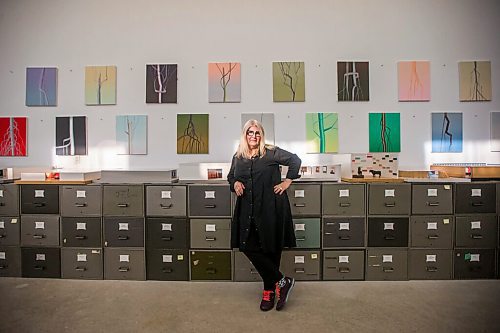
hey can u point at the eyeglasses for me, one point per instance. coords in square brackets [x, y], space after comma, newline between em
[253, 133]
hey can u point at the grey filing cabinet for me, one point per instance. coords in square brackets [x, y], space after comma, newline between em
[244, 270]
[40, 230]
[166, 200]
[304, 265]
[476, 231]
[122, 263]
[475, 198]
[9, 200]
[343, 199]
[307, 232]
[40, 199]
[432, 199]
[388, 231]
[82, 263]
[430, 264]
[386, 264]
[167, 233]
[10, 261]
[10, 230]
[41, 262]
[432, 231]
[343, 265]
[343, 232]
[389, 199]
[167, 264]
[474, 264]
[305, 199]
[209, 200]
[210, 233]
[210, 265]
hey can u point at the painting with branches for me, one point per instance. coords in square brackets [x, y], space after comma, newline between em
[192, 134]
[13, 138]
[446, 132]
[475, 81]
[414, 81]
[100, 85]
[131, 135]
[41, 86]
[71, 135]
[384, 132]
[288, 82]
[161, 83]
[322, 133]
[353, 81]
[224, 82]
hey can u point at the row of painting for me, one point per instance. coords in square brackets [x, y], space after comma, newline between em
[224, 82]
[193, 133]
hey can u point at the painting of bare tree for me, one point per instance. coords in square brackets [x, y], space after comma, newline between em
[161, 83]
[13, 139]
[475, 81]
[224, 82]
[131, 135]
[71, 135]
[288, 82]
[353, 81]
[100, 85]
[192, 134]
[41, 86]
[322, 133]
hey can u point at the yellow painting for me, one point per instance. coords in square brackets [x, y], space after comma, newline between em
[100, 85]
[288, 82]
[475, 81]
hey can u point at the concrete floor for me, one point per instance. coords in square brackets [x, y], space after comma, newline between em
[52, 305]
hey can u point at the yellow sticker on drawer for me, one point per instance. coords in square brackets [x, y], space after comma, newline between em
[122, 226]
[81, 194]
[344, 225]
[209, 194]
[210, 228]
[299, 259]
[13, 221]
[343, 259]
[300, 227]
[432, 225]
[432, 192]
[166, 194]
[430, 258]
[314, 256]
[166, 226]
[81, 257]
[180, 257]
[475, 225]
[167, 258]
[81, 226]
[447, 187]
[388, 226]
[39, 225]
[39, 193]
[124, 258]
[446, 221]
[343, 193]
[387, 258]
[40, 257]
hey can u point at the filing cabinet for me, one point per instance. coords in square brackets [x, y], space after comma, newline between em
[389, 199]
[209, 200]
[167, 264]
[41, 262]
[210, 233]
[432, 231]
[387, 264]
[244, 270]
[82, 200]
[430, 264]
[166, 200]
[430, 199]
[474, 264]
[343, 232]
[81, 232]
[388, 231]
[305, 199]
[40, 230]
[167, 233]
[476, 231]
[10, 230]
[9, 200]
[123, 200]
[307, 232]
[123, 231]
[343, 199]
[10, 261]
[475, 197]
[39, 199]
[210, 265]
[82, 263]
[124, 264]
[344, 265]
[301, 264]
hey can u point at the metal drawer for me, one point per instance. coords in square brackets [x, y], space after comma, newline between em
[39, 199]
[476, 231]
[430, 264]
[81, 200]
[432, 231]
[305, 199]
[474, 264]
[244, 270]
[209, 200]
[10, 261]
[167, 233]
[166, 200]
[210, 265]
[301, 264]
[81, 231]
[123, 231]
[124, 264]
[389, 199]
[123, 200]
[388, 231]
[167, 264]
[210, 233]
[10, 230]
[40, 230]
[475, 198]
[344, 265]
[307, 232]
[343, 232]
[343, 199]
[9, 200]
[387, 264]
[432, 199]
[82, 263]
[41, 262]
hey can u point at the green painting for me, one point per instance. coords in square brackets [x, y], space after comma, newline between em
[385, 132]
[192, 134]
[322, 133]
[288, 82]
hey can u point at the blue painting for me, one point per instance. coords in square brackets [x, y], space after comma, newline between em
[41, 86]
[131, 135]
[447, 132]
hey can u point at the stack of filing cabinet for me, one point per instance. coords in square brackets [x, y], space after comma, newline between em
[210, 231]
[431, 232]
[123, 225]
[388, 224]
[304, 262]
[344, 226]
[81, 232]
[10, 252]
[40, 230]
[476, 234]
[167, 233]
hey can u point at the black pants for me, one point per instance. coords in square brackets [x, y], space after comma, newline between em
[267, 264]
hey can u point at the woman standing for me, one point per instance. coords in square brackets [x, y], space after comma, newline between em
[262, 221]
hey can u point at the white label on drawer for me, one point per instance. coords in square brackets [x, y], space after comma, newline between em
[432, 225]
[96, 251]
[180, 257]
[476, 192]
[474, 257]
[446, 221]
[447, 187]
[299, 259]
[299, 193]
[124, 258]
[39, 193]
[166, 226]
[209, 194]
[40, 257]
[81, 257]
[210, 227]
[122, 226]
[1, 193]
[432, 192]
[387, 258]
[166, 194]
[167, 258]
[343, 259]
[430, 258]
[81, 226]
[300, 227]
[81, 194]
[344, 226]
[475, 225]
[13, 221]
[39, 225]
[2, 225]
[343, 193]
[388, 226]
[2, 255]
[389, 193]
[314, 256]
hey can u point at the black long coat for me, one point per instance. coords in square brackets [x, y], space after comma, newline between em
[271, 212]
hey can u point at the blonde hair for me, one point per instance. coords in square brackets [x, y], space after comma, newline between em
[243, 149]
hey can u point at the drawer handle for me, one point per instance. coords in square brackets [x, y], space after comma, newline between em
[300, 238]
[388, 269]
[390, 204]
[81, 269]
[389, 237]
[39, 268]
[166, 206]
[330, 223]
[166, 238]
[80, 204]
[211, 271]
[328, 233]
[473, 236]
[475, 268]
[300, 270]
[433, 236]
[299, 205]
[210, 206]
[123, 237]
[39, 204]
[123, 269]
[344, 269]
[4, 266]
[210, 239]
[81, 237]
[345, 204]
[431, 269]
[122, 205]
[346, 237]
[433, 204]
[167, 270]
[38, 236]
[477, 204]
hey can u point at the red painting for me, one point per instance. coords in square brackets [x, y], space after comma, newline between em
[13, 140]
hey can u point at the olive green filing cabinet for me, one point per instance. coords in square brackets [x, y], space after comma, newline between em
[389, 231]
[210, 265]
[210, 233]
[343, 199]
[432, 231]
[41, 262]
[167, 264]
[474, 264]
[166, 200]
[123, 231]
[305, 199]
[476, 231]
[9, 200]
[389, 199]
[475, 197]
[244, 270]
[10, 261]
[167, 233]
[123, 200]
[302, 265]
[430, 264]
[40, 230]
[209, 200]
[307, 232]
[81, 200]
[10, 231]
[82, 263]
[389, 264]
[81, 232]
[124, 264]
[343, 232]
[430, 199]
[343, 265]
[39, 199]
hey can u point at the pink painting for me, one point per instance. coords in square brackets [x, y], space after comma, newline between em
[414, 81]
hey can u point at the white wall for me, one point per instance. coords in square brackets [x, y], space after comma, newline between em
[128, 33]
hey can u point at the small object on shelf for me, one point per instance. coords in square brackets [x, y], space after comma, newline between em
[359, 175]
[376, 173]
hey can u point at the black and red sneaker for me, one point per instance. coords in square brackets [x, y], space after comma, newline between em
[267, 302]
[283, 289]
